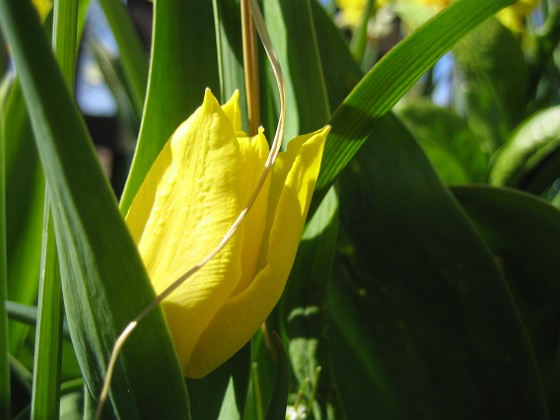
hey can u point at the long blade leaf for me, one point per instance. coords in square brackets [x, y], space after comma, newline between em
[423, 323]
[104, 282]
[4, 361]
[392, 77]
[45, 394]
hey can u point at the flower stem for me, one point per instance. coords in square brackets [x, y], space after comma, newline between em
[251, 67]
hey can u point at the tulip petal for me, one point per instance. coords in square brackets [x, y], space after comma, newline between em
[187, 203]
[233, 112]
[255, 151]
[140, 209]
[293, 181]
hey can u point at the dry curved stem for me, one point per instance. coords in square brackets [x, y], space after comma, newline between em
[274, 149]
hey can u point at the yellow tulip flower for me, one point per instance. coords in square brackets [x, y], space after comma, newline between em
[196, 188]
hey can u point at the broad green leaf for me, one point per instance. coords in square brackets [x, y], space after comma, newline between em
[47, 360]
[530, 158]
[453, 149]
[227, 21]
[493, 82]
[276, 409]
[303, 304]
[183, 63]
[48, 345]
[25, 196]
[102, 273]
[222, 393]
[25, 190]
[524, 234]
[340, 70]
[291, 28]
[392, 77]
[423, 325]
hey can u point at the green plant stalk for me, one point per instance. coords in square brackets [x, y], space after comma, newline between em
[64, 38]
[257, 390]
[45, 400]
[360, 37]
[4, 359]
[251, 67]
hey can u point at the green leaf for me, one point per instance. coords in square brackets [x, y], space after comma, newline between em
[227, 21]
[524, 234]
[45, 396]
[4, 335]
[101, 270]
[290, 24]
[71, 405]
[131, 50]
[25, 188]
[48, 347]
[447, 140]
[360, 36]
[3, 56]
[423, 325]
[183, 63]
[493, 79]
[529, 159]
[303, 304]
[391, 78]
[222, 393]
[113, 75]
[340, 70]
[65, 38]
[276, 409]
[262, 374]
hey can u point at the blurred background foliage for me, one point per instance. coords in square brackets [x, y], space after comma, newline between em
[426, 282]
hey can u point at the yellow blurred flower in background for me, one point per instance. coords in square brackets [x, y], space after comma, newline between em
[43, 7]
[512, 17]
[351, 11]
[196, 188]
